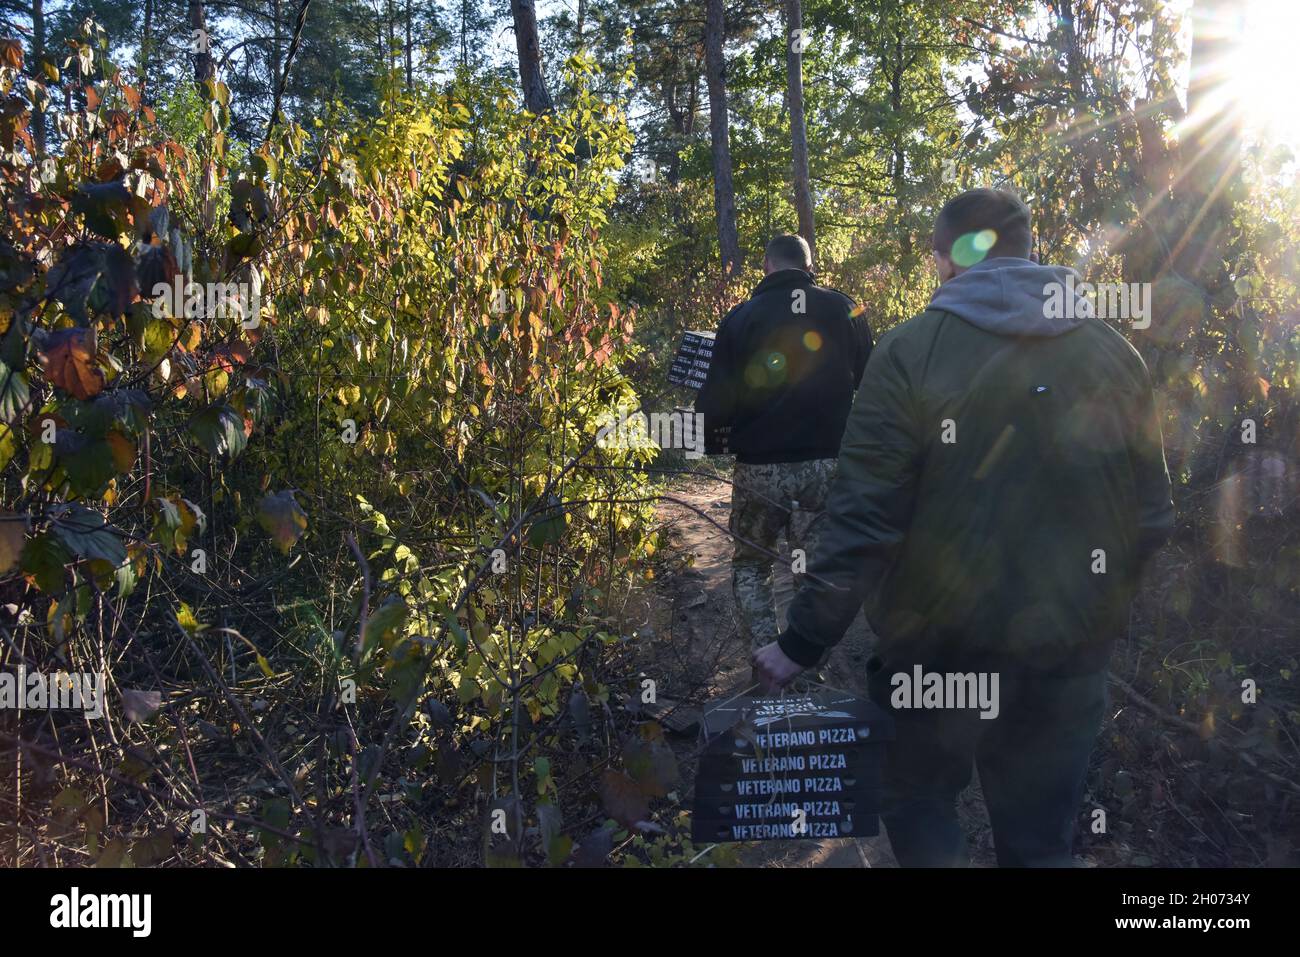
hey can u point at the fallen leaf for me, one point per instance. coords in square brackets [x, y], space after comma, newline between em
[595, 847]
[623, 798]
[140, 705]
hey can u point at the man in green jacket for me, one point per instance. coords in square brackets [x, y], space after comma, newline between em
[1000, 484]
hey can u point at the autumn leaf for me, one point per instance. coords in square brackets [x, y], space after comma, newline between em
[68, 360]
[123, 450]
[156, 267]
[13, 530]
[105, 207]
[623, 798]
[186, 619]
[650, 761]
[94, 276]
[8, 444]
[11, 54]
[283, 519]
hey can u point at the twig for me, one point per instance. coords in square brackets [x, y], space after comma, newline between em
[1151, 707]
[365, 598]
[358, 804]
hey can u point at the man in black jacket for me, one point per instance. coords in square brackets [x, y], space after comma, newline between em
[785, 365]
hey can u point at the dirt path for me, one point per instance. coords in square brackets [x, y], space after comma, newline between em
[701, 637]
[699, 658]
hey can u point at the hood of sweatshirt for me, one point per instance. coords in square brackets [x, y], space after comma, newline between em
[1015, 297]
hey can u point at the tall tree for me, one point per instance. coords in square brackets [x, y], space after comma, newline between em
[406, 45]
[471, 32]
[724, 190]
[536, 98]
[38, 54]
[204, 68]
[795, 44]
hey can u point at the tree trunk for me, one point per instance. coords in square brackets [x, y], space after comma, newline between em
[204, 68]
[1073, 54]
[38, 55]
[794, 46]
[898, 173]
[724, 191]
[277, 53]
[408, 44]
[391, 17]
[530, 56]
[464, 30]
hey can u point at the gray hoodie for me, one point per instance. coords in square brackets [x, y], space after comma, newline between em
[1008, 296]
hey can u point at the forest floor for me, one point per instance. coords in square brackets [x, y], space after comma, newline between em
[1174, 797]
[699, 659]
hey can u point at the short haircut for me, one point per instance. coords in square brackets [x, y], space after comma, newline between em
[983, 224]
[789, 251]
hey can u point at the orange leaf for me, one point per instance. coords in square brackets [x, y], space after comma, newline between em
[624, 801]
[11, 54]
[123, 450]
[69, 362]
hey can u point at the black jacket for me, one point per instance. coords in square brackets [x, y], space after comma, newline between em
[785, 365]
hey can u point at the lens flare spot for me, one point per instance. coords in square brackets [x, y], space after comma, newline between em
[971, 248]
[812, 341]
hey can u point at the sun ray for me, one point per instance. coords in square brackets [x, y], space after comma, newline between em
[1260, 77]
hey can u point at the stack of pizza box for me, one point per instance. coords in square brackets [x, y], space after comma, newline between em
[790, 768]
[691, 363]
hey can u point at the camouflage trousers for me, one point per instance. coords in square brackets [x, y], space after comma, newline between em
[767, 500]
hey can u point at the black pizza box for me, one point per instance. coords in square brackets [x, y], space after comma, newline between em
[690, 363]
[698, 337]
[764, 757]
[822, 719]
[738, 756]
[710, 803]
[718, 775]
[692, 378]
[722, 831]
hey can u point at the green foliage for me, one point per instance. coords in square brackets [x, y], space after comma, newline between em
[393, 421]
